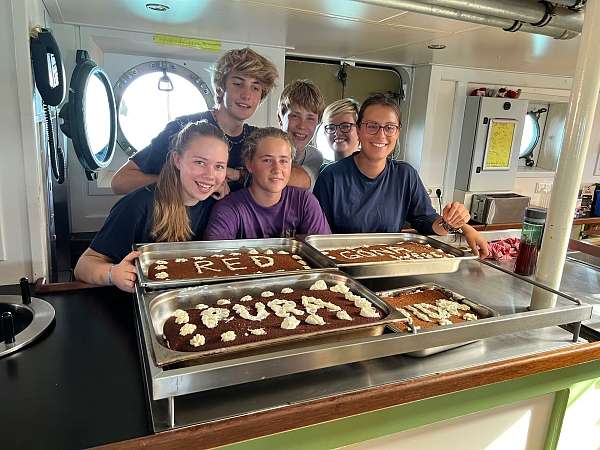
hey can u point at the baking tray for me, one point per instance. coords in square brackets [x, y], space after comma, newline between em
[169, 250]
[158, 306]
[381, 269]
[482, 311]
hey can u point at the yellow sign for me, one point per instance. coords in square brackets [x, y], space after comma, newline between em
[499, 144]
[179, 41]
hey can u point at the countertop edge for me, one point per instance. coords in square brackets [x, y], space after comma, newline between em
[260, 424]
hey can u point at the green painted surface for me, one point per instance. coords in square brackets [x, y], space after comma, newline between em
[561, 401]
[394, 419]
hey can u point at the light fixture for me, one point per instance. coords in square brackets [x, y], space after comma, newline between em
[164, 82]
[436, 46]
[157, 7]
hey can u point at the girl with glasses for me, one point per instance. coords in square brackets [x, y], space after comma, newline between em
[370, 193]
[339, 124]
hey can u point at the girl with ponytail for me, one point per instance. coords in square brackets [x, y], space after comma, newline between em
[175, 209]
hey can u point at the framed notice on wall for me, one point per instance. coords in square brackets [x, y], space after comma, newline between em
[498, 147]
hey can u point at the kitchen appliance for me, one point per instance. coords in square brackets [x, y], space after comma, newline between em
[498, 208]
[489, 146]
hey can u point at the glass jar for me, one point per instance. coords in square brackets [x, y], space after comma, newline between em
[531, 240]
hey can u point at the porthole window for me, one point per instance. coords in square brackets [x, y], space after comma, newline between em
[531, 135]
[152, 94]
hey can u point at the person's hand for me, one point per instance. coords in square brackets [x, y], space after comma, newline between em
[221, 191]
[456, 215]
[478, 244]
[123, 274]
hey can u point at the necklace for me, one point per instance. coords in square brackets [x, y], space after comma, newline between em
[230, 140]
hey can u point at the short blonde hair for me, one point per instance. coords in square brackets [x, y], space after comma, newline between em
[341, 106]
[251, 143]
[302, 93]
[246, 62]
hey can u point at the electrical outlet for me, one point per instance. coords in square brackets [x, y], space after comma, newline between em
[431, 190]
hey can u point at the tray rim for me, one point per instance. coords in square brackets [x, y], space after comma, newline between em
[314, 255]
[460, 255]
[161, 352]
[395, 291]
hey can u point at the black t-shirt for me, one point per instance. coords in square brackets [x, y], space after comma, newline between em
[152, 158]
[130, 221]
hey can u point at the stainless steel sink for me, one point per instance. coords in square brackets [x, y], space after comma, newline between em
[22, 319]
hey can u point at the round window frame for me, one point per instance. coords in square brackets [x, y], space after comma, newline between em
[73, 115]
[534, 143]
[145, 68]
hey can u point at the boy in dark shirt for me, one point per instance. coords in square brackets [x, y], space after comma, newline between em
[242, 79]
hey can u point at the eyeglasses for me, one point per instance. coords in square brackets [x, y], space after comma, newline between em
[344, 127]
[388, 129]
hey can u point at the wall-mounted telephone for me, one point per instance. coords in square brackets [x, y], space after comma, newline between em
[49, 74]
[47, 67]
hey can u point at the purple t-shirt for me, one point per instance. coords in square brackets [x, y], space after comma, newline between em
[238, 216]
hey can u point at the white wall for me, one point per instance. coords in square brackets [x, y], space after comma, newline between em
[23, 242]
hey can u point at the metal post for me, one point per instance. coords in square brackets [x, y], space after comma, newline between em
[171, 412]
[584, 98]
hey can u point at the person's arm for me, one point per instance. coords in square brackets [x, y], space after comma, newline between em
[478, 244]
[98, 269]
[299, 178]
[312, 166]
[130, 177]
[456, 216]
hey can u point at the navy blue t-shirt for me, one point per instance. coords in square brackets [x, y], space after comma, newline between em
[130, 222]
[152, 158]
[355, 203]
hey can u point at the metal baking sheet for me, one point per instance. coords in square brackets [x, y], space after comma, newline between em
[482, 311]
[170, 250]
[382, 269]
[158, 306]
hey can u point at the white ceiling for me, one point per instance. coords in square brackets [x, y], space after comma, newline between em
[330, 28]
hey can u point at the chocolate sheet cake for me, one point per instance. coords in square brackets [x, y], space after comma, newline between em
[226, 264]
[402, 251]
[430, 307]
[214, 324]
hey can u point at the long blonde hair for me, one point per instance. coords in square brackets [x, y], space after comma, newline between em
[170, 219]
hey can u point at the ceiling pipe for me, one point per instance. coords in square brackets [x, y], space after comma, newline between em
[528, 11]
[507, 24]
[575, 5]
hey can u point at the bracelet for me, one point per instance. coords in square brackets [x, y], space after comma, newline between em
[110, 282]
[449, 228]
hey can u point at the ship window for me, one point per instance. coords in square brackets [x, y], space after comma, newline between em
[145, 103]
[531, 135]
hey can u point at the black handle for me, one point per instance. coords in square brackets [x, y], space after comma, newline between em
[8, 327]
[25, 292]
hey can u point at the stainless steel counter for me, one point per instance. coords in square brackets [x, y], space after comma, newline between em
[581, 275]
[481, 283]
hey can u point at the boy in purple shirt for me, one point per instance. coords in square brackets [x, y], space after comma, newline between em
[268, 208]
